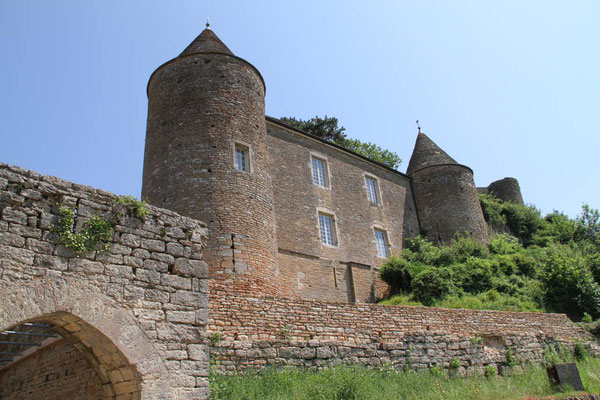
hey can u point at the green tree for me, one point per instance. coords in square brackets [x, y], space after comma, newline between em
[328, 128]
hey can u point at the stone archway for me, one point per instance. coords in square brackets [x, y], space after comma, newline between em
[106, 334]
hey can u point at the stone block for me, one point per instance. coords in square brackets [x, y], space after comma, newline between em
[193, 268]
[562, 375]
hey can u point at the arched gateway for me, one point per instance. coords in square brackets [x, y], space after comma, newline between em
[124, 362]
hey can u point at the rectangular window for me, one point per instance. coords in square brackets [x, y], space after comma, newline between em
[327, 229]
[382, 243]
[242, 158]
[319, 169]
[372, 190]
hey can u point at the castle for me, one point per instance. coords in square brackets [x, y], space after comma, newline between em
[260, 248]
[289, 213]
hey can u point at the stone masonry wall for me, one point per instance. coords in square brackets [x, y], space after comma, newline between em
[258, 332]
[137, 312]
[347, 271]
[57, 371]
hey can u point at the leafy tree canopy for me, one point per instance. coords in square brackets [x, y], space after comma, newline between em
[328, 128]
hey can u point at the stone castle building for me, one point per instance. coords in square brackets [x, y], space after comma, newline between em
[260, 248]
[288, 213]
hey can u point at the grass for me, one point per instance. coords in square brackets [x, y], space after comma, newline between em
[491, 300]
[358, 383]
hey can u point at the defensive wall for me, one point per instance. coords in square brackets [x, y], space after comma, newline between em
[131, 320]
[259, 332]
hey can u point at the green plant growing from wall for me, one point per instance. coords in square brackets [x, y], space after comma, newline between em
[95, 234]
[490, 371]
[134, 207]
[215, 338]
[510, 357]
[454, 364]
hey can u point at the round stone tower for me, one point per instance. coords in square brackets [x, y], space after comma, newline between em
[506, 189]
[206, 157]
[445, 194]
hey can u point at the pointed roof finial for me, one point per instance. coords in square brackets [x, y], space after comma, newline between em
[207, 22]
[418, 126]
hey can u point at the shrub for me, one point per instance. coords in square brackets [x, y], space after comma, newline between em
[492, 210]
[474, 276]
[579, 351]
[490, 371]
[431, 284]
[510, 357]
[454, 364]
[569, 284]
[396, 272]
[587, 318]
[523, 221]
[465, 247]
[504, 244]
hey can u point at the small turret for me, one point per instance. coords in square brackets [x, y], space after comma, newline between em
[445, 194]
[506, 189]
[206, 157]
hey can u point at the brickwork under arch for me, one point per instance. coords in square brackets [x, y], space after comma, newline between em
[108, 336]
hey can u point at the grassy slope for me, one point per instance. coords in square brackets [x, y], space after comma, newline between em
[358, 384]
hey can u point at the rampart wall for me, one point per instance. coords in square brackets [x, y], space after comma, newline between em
[136, 313]
[258, 332]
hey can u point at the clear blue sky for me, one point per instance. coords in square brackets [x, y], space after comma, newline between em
[509, 88]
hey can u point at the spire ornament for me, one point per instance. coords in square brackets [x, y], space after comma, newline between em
[418, 126]
[207, 22]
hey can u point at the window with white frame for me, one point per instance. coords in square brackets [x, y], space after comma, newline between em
[242, 157]
[319, 170]
[327, 229]
[372, 192]
[382, 243]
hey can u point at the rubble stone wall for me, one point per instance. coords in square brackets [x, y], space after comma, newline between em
[258, 332]
[137, 312]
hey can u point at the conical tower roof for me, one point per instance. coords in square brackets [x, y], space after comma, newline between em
[426, 154]
[206, 41]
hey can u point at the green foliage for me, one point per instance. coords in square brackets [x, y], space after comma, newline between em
[353, 382]
[432, 284]
[569, 283]
[327, 128]
[134, 207]
[580, 353]
[372, 151]
[523, 221]
[436, 371]
[504, 244]
[397, 272]
[454, 364]
[490, 371]
[95, 234]
[551, 268]
[476, 340]
[215, 338]
[492, 210]
[510, 357]
[587, 318]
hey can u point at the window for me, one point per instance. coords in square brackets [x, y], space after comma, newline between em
[319, 170]
[326, 227]
[372, 194]
[381, 243]
[242, 158]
